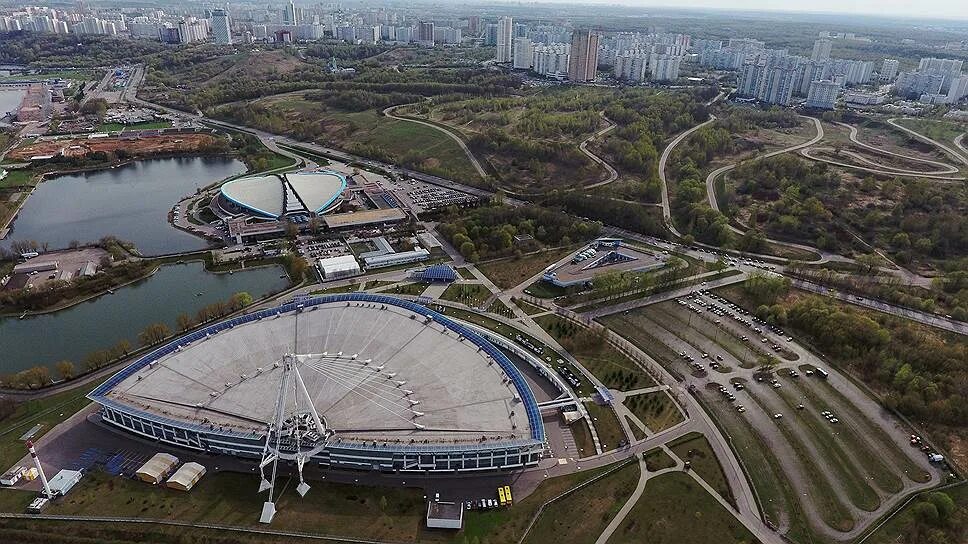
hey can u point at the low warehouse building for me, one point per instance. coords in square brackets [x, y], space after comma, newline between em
[343, 266]
[186, 476]
[157, 468]
[64, 480]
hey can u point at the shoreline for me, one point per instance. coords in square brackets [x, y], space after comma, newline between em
[157, 266]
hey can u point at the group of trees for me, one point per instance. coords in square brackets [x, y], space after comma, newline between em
[55, 292]
[46, 49]
[488, 232]
[934, 518]
[918, 371]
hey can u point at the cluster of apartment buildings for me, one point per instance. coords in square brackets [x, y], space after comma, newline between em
[576, 54]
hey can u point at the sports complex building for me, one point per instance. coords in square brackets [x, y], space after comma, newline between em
[392, 386]
[274, 196]
[602, 255]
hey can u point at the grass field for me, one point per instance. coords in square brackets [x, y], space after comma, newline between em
[231, 499]
[508, 524]
[582, 516]
[613, 368]
[47, 411]
[657, 410]
[369, 133]
[658, 459]
[637, 433]
[528, 308]
[465, 273]
[146, 125]
[414, 289]
[19, 178]
[471, 294]
[607, 425]
[942, 131]
[695, 449]
[543, 289]
[672, 503]
[640, 334]
[507, 273]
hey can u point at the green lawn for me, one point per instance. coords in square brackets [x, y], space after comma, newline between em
[694, 448]
[48, 412]
[543, 289]
[509, 272]
[658, 459]
[145, 125]
[465, 273]
[607, 425]
[581, 516]
[19, 178]
[657, 410]
[413, 289]
[529, 308]
[230, 498]
[673, 506]
[471, 294]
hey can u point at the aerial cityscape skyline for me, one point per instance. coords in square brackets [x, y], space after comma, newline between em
[421, 272]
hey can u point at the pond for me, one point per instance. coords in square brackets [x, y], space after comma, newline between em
[130, 202]
[75, 332]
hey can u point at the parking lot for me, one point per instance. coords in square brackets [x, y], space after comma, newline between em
[804, 431]
[420, 197]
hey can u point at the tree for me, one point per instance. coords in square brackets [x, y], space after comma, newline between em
[944, 503]
[154, 333]
[240, 300]
[184, 321]
[65, 369]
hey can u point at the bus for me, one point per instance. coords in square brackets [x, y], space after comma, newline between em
[822, 373]
[500, 495]
[507, 493]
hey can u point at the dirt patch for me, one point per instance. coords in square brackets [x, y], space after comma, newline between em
[148, 145]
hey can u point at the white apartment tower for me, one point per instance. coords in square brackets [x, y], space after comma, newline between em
[523, 53]
[888, 70]
[505, 39]
[821, 50]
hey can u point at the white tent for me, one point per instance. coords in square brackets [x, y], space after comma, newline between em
[186, 476]
[157, 468]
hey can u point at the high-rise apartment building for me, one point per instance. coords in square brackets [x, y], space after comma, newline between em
[821, 50]
[523, 53]
[583, 64]
[664, 67]
[505, 39]
[289, 16]
[221, 26]
[425, 33]
[823, 94]
[888, 70]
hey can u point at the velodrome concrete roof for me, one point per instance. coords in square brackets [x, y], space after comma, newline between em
[258, 193]
[312, 191]
[461, 395]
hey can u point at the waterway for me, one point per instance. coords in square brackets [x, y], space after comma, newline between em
[130, 202]
[102, 322]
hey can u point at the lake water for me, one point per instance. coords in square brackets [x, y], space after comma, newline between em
[102, 322]
[10, 100]
[130, 202]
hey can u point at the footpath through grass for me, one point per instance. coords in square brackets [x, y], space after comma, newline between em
[695, 449]
[580, 517]
[674, 505]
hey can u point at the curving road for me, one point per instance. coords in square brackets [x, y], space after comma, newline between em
[711, 178]
[808, 153]
[666, 209]
[945, 168]
[958, 144]
[958, 156]
[583, 147]
[470, 156]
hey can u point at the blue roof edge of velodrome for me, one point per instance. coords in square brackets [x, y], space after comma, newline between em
[319, 210]
[520, 384]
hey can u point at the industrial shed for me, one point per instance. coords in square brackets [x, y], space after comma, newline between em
[185, 478]
[157, 468]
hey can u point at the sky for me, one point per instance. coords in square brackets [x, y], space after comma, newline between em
[936, 8]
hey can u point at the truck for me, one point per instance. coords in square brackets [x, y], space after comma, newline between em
[821, 373]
